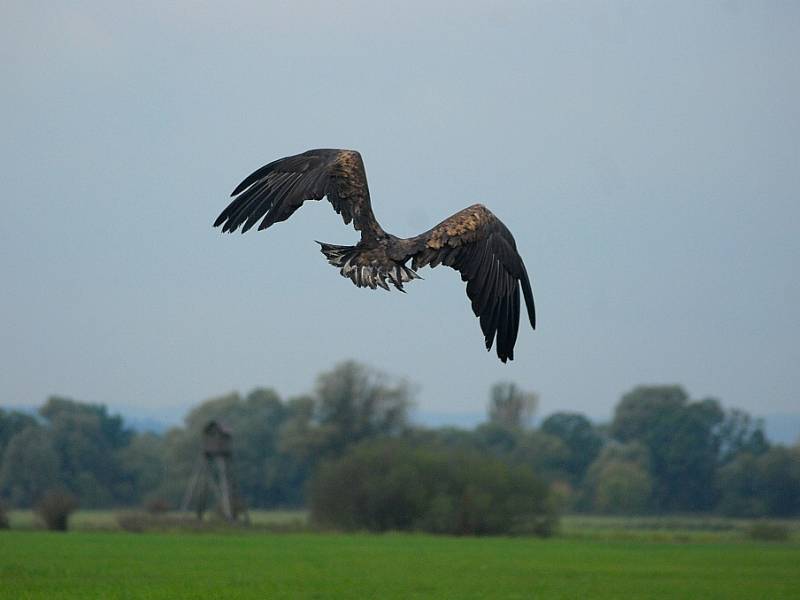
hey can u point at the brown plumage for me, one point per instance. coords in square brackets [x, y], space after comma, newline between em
[473, 241]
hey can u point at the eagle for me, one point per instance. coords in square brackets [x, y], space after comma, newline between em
[473, 241]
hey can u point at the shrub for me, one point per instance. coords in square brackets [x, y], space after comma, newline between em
[133, 522]
[4, 524]
[392, 485]
[55, 507]
[156, 506]
[768, 532]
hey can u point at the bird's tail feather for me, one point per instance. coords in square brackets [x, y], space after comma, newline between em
[368, 267]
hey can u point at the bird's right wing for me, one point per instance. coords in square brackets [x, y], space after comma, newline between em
[478, 245]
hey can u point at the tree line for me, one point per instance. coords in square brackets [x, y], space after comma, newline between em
[349, 447]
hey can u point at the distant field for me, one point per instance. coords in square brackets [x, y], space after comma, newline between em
[657, 529]
[668, 528]
[91, 520]
[184, 565]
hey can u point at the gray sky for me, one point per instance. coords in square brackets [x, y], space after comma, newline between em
[646, 157]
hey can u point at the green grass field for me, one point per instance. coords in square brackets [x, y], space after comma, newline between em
[107, 564]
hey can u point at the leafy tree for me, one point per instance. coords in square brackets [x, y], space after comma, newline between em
[142, 461]
[680, 437]
[739, 433]
[87, 441]
[546, 454]
[643, 407]
[30, 466]
[351, 403]
[511, 407]
[619, 481]
[354, 403]
[622, 488]
[110, 427]
[579, 436]
[739, 483]
[780, 477]
[766, 485]
[497, 438]
[11, 423]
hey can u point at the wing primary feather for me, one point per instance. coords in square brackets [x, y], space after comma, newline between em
[281, 195]
[503, 328]
[253, 177]
[261, 204]
[490, 286]
[250, 198]
[514, 321]
[261, 208]
[528, 294]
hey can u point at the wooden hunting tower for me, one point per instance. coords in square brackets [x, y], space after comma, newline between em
[216, 440]
[214, 470]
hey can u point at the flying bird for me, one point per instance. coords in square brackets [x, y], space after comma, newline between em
[473, 241]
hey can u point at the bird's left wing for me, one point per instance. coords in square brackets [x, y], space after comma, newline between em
[478, 245]
[276, 190]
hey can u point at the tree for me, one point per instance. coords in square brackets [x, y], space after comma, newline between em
[546, 454]
[496, 438]
[11, 423]
[622, 488]
[640, 408]
[111, 427]
[764, 485]
[351, 403]
[142, 461]
[739, 433]
[619, 481]
[511, 407]
[88, 441]
[581, 439]
[681, 439]
[30, 465]
[354, 402]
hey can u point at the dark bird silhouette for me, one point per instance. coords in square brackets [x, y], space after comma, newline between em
[473, 241]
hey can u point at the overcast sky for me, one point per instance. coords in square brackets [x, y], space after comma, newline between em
[646, 157]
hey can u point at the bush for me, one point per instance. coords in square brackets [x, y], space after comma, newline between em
[768, 532]
[133, 522]
[4, 524]
[55, 507]
[391, 485]
[156, 506]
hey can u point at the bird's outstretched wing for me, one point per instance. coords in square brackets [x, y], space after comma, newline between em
[275, 191]
[478, 245]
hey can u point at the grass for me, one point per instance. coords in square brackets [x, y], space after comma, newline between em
[106, 520]
[704, 529]
[692, 529]
[180, 565]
